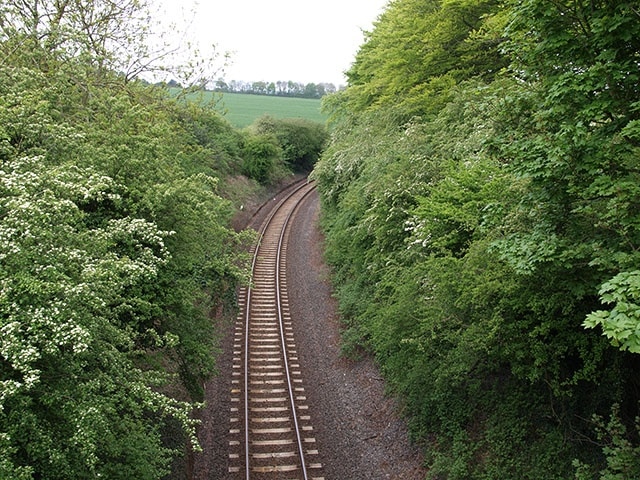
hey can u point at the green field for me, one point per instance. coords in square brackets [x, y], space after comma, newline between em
[242, 109]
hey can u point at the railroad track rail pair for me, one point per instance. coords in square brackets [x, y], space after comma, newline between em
[271, 435]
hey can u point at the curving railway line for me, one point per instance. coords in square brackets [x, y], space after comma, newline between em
[271, 435]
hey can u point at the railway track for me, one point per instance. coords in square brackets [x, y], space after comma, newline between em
[271, 435]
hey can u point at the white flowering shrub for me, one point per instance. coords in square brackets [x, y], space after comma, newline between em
[63, 351]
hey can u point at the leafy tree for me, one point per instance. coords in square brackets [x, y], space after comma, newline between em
[302, 141]
[279, 88]
[419, 49]
[111, 35]
[259, 87]
[620, 324]
[311, 91]
[574, 139]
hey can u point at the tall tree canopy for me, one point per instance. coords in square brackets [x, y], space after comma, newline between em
[418, 50]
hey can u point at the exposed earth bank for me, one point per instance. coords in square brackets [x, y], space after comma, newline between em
[359, 434]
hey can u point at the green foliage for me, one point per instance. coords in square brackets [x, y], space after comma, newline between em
[301, 141]
[261, 154]
[215, 146]
[419, 50]
[115, 250]
[621, 324]
[72, 389]
[567, 135]
[622, 456]
[479, 198]
[124, 36]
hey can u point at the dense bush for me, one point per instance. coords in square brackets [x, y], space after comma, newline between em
[262, 154]
[302, 141]
[478, 197]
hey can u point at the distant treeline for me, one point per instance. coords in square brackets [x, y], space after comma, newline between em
[281, 88]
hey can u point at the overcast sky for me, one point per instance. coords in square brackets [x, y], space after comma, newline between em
[299, 40]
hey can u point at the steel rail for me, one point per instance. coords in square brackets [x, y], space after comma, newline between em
[282, 336]
[247, 319]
